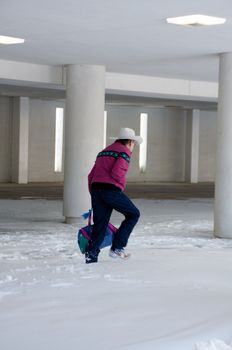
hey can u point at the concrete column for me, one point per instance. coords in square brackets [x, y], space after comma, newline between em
[20, 126]
[192, 146]
[223, 179]
[84, 127]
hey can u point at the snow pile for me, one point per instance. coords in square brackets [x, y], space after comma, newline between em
[214, 344]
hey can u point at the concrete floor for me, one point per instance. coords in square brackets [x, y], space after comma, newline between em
[134, 190]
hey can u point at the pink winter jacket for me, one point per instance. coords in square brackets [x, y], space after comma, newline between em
[111, 166]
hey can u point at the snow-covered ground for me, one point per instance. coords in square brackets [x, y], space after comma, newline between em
[175, 293]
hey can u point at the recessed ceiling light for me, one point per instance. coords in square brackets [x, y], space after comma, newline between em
[196, 20]
[7, 40]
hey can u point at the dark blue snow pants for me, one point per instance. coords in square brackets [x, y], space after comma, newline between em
[103, 203]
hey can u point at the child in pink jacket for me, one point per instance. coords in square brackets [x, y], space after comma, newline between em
[107, 181]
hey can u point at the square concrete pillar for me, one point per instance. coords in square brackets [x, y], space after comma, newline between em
[20, 134]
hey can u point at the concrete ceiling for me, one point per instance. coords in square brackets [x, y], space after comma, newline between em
[127, 36]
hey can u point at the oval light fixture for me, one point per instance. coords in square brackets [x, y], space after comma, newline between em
[196, 20]
[8, 40]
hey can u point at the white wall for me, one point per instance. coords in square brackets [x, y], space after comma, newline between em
[166, 145]
[5, 138]
[42, 141]
[166, 141]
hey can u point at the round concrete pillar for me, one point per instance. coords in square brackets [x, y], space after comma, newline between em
[223, 180]
[84, 120]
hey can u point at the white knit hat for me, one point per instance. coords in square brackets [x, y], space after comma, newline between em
[128, 134]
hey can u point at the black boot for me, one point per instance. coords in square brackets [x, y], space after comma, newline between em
[91, 256]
